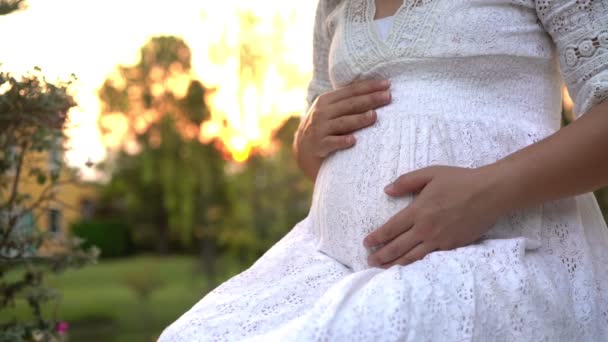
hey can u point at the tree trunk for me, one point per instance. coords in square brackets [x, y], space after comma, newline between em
[163, 239]
[208, 256]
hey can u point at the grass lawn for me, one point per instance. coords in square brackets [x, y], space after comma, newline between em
[129, 299]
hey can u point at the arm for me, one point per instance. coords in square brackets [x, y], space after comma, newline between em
[572, 161]
[308, 164]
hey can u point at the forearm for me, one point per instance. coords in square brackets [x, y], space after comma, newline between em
[572, 161]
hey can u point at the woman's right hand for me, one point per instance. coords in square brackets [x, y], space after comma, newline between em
[333, 117]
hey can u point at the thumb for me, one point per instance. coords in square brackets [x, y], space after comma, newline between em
[410, 182]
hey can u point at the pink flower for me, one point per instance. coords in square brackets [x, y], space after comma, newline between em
[62, 327]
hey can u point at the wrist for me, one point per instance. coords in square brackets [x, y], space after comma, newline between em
[501, 187]
[307, 163]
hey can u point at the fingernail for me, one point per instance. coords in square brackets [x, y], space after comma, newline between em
[387, 95]
[389, 188]
[386, 83]
[372, 114]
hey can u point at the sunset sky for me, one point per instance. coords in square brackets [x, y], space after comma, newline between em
[89, 38]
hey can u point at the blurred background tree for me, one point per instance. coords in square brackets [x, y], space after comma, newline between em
[168, 185]
[179, 194]
[268, 196]
[8, 6]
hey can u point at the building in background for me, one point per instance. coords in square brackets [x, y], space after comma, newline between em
[50, 207]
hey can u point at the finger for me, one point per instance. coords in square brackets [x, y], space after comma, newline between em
[417, 253]
[332, 143]
[357, 88]
[410, 182]
[350, 123]
[396, 225]
[359, 104]
[395, 248]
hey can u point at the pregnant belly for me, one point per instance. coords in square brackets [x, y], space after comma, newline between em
[349, 200]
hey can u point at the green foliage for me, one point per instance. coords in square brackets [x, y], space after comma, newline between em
[111, 236]
[602, 198]
[9, 6]
[267, 197]
[143, 283]
[33, 113]
[168, 185]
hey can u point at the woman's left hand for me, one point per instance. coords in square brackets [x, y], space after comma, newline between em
[454, 207]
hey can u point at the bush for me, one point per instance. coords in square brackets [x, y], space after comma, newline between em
[34, 114]
[112, 237]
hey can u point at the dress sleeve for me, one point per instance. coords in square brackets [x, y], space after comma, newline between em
[320, 82]
[579, 29]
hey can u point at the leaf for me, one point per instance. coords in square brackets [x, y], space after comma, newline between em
[41, 179]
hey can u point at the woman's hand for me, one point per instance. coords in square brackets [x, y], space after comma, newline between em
[333, 117]
[454, 206]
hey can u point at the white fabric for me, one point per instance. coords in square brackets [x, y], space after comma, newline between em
[472, 81]
[383, 26]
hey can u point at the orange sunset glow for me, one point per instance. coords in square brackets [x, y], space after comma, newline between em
[249, 98]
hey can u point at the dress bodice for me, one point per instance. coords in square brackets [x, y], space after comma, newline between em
[571, 33]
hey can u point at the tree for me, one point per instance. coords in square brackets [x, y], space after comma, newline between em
[8, 6]
[33, 113]
[268, 195]
[168, 180]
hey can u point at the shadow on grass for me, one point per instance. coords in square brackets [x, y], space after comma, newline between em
[93, 329]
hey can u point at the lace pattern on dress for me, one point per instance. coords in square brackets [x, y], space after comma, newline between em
[579, 28]
[412, 27]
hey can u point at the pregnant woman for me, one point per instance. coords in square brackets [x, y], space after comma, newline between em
[448, 203]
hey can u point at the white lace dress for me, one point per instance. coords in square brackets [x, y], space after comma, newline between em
[472, 81]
